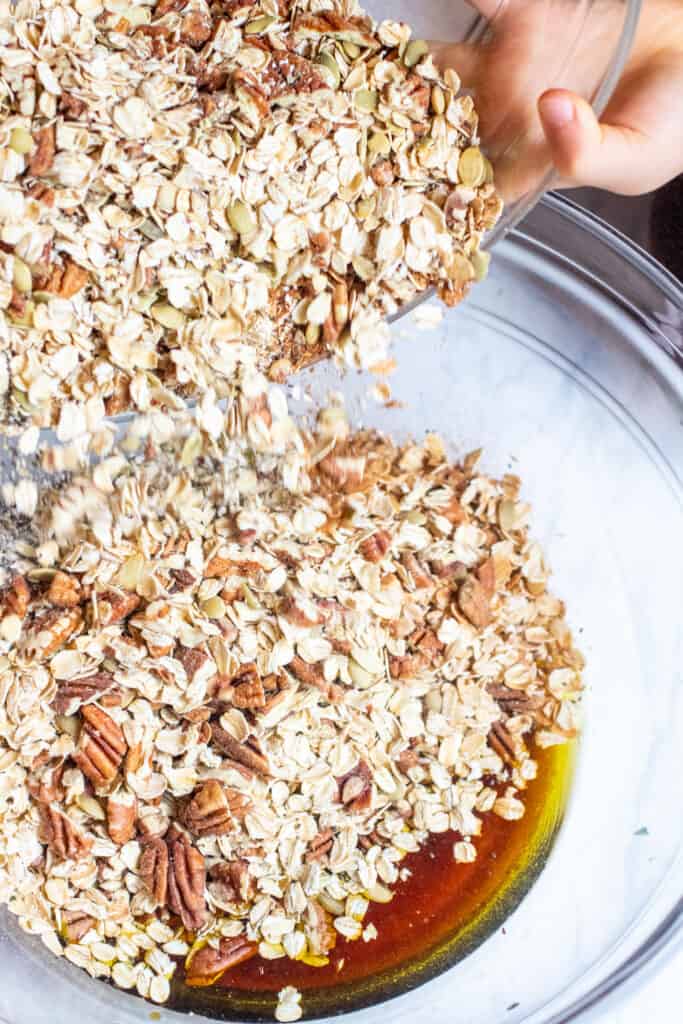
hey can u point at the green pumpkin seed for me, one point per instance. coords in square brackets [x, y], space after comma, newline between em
[259, 25]
[414, 52]
[214, 607]
[438, 100]
[241, 218]
[366, 99]
[379, 142]
[480, 263]
[488, 178]
[351, 50]
[472, 167]
[168, 316]
[21, 276]
[21, 140]
[330, 70]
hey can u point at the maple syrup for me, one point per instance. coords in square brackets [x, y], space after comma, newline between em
[439, 914]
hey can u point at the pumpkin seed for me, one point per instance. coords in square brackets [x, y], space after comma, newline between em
[214, 607]
[191, 449]
[480, 262]
[488, 177]
[21, 140]
[438, 100]
[366, 99]
[351, 50]
[21, 276]
[259, 25]
[241, 218]
[414, 52]
[379, 142]
[330, 70]
[168, 316]
[471, 167]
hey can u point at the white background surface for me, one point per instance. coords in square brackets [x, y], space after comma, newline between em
[656, 1001]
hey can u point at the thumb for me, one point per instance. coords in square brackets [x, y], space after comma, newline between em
[585, 152]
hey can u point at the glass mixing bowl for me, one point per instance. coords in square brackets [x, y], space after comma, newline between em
[508, 52]
[566, 365]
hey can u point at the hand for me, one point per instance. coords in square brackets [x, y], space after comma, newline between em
[638, 144]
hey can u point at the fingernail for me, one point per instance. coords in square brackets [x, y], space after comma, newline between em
[557, 110]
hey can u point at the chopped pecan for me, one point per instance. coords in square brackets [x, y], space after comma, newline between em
[191, 658]
[374, 548]
[314, 676]
[355, 788]
[115, 605]
[122, 812]
[64, 838]
[196, 29]
[406, 760]
[218, 567]
[382, 173]
[248, 692]
[46, 787]
[209, 963]
[320, 845]
[186, 880]
[515, 702]
[232, 882]
[275, 691]
[16, 598]
[473, 602]
[406, 666]
[248, 754]
[346, 473]
[101, 746]
[75, 924]
[50, 630]
[301, 613]
[206, 813]
[64, 590]
[74, 692]
[428, 643]
[73, 280]
[153, 868]
[419, 575]
[319, 929]
[197, 716]
[182, 579]
[500, 741]
[43, 155]
[486, 573]
[211, 79]
[456, 571]
[166, 6]
[454, 512]
[71, 106]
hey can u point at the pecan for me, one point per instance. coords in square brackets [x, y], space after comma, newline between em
[183, 579]
[232, 7]
[515, 702]
[500, 741]
[314, 676]
[196, 29]
[346, 473]
[63, 837]
[101, 746]
[419, 575]
[371, 839]
[428, 643]
[319, 929]
[218, 567]
[47, 788]
[191, 658]
[300, 613]
[74, 692]
[231, 882]
[43, 155]
[197, 716]
[320, 845]
[288, 73]
[208, 964]
[64, 591]
[16, 598]
[75, 924]
[206, 813]
[115, 605]
[406, 666]
[247, 754]
[166, 6]
[382, 173]
[248, 692]
[486, 574]
[186, 880]
[449, 570]
[355, 788]
[153, 868]
[374, 548]
[50, 630]
[71, 106]
[406, 760]
[454, 512]
[275, 690]
[73, 280]
[122, 812]
[211, 79]
[473, 602]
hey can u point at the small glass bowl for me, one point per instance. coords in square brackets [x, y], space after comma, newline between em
[566, 365]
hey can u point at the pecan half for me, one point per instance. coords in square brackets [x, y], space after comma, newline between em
[122, 812]
[75, 924]
[63, 837]
[314, 676]
[231, 882]
[209, 963]
[248, 692]
[374, 548]
[186, 880]
[115, 605]
[500, 741]
[206, 813]
[101, 746]
[64, 591]
[72, 693]
[16, 598]
[43, 155]
[355, 788]
[320, 845]
[473, 602]
[248, 754]
[515, 702]
[153, 868]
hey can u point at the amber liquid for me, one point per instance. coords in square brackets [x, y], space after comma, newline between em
[438, 915]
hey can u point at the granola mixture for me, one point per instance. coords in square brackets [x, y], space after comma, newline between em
[181, 179]
[247, 667]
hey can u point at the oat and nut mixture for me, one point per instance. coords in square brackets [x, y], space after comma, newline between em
[182, 178]
[249, 666]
